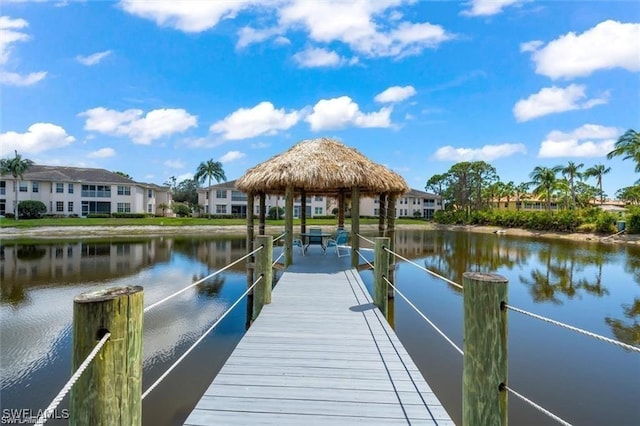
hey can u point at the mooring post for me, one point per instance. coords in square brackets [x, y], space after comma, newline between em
[288, 226]
[484, 400]
[109, 392]
[381, 271]
[355, 226]
[262, 290]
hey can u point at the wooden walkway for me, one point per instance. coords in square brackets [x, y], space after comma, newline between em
[320, 353]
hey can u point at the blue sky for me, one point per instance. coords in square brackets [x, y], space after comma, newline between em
[153, 88]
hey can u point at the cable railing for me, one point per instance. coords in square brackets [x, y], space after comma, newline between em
[279, 237]
[277, 259]
[365, 259]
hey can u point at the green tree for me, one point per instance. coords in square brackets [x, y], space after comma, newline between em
[210, 170]
[544, 179]
[597, 172]
[628, 146]
[123, 174]
[629, 194]
[572, 171]
[186, 192]
[163, 207]
[521, 192]
[16, 167]
[436, 184]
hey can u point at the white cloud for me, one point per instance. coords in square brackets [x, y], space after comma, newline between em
[232, 156]
[184, 176]
[174, 164]
[531, 46]
[610, 44]
[15, 79]
[141, 129]
[260, 145]
[551, 100]
[250, 122]
[589, 140]
[341, 112]
[39, 137]
[395, 94]
[250, 35]
[487, 7]
[315, 57]
[102, 153]
[486, 153]
[190, 16]
[93, 59]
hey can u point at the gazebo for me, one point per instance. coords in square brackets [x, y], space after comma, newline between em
[321, 167]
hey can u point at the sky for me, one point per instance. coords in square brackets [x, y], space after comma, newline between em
[154, 88]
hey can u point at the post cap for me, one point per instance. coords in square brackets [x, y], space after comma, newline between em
[485, 277]
[107, 294]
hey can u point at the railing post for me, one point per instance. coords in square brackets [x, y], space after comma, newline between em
[484, 402]
[381, 271]
[264, 258]
[109, 392]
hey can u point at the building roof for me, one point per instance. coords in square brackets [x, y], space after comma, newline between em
[416, 193]
[75, 174]
[321, 166]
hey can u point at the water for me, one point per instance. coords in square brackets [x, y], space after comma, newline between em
[585, 381]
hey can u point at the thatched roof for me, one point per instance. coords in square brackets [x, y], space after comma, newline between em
[321, 166]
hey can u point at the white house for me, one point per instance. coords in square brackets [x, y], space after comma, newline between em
[410, 204]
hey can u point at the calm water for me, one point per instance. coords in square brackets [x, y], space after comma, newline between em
[594, 286]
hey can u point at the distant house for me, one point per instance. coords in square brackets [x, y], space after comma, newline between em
[82, 191]
[411, 204]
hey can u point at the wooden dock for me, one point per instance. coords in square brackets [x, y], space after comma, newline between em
[320, 353]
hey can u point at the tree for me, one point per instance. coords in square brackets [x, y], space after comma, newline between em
[521, 191]
[436, 184]
[123, 174]
[545, 180]
[210, 170]
[172, 183]
[16, 167]
[163, 207]
[629, 194]
[598, 171]
[186, 192]
[628, 146]
[572, 171]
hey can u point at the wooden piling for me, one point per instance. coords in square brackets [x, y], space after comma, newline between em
[485, 364]
[303, 211]
[250, 234]
[381, 271]
[355, 226]
[341, 209]
[109, 392]
[264, 258]
[391, 234]
[288, 226]
[262, 200]
[382, 213]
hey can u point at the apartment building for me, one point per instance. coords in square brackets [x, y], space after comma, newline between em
[224, 199]
[82, 191]
[414, 203]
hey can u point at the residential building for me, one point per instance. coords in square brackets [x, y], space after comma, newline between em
[414, 203]
[81, 191]
[225, 199]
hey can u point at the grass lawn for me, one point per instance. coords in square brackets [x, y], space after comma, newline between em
[171, 221]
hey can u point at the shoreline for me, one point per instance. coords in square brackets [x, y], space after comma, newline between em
[57, 232]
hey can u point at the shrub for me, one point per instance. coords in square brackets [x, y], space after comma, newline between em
[633, 221]
[276, 213]
[605, 223]
[98, 216]
[31, 209]
[9, 215]
[587, 228]
[129, 215]
[181, 210]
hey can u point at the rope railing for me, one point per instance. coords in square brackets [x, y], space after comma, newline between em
[279, 236]
[46, 414]
[171, 296]
[197, 342]
[572, 328]
[278, 258]
[365, 259]
[536, 406]
[366, 239]
[453, 283]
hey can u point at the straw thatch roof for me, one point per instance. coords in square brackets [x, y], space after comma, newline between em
[321, 166]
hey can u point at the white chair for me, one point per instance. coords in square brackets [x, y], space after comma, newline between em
[297, 242]
[339, 242]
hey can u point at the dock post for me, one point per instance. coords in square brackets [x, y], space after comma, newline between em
[355, 226]
[262, 290]
[110, 390]
[484, 401]
[381, 271]
[288, 226]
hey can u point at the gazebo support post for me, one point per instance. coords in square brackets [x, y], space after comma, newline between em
[355, 225]
[288, 226]
[250, 259]
[341, 209]
[391, 233]
[303, 211]
[382, 213]
[262, 208]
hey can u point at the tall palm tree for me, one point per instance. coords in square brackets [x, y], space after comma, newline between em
[572, 171]
[598, 171]
[16, 167]
[210, 170]
[544, 178]
[521, 191]
[628, 145]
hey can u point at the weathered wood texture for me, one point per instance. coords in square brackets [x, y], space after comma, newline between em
[381, 265]
[485, 350]
[355, 226]
[262, 200]
[288, 226]
[320, 353]
[262, 290]
[109, 391]
[382, 213]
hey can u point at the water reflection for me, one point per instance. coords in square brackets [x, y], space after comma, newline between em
[627, 332]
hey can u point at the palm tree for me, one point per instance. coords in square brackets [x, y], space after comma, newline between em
[628, 145]
[545, 180]
[598, 171]
[572, 171]
[210, 170]
[521, 191]
[16, 167]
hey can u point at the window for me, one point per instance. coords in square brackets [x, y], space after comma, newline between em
[149, 208]
[221, 209]
[100, 191]
[221, 193]
[317, 210]
[206, 195]
[59, 188]
[149, 193]
[3, 187]
[35, 186]
[59, 206]
[376, 212]
[318, 198]
[3, 206]
[124, 190]
[238, 196]
[70, 207]
[124, 207]
[70, 188]
[23, 187]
